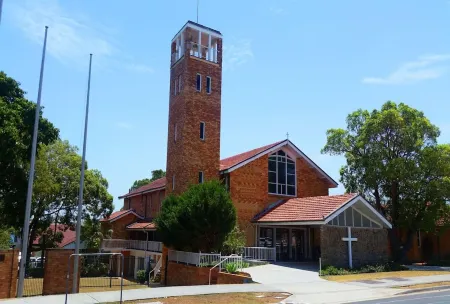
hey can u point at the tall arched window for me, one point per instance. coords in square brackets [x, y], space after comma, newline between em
[281, 174]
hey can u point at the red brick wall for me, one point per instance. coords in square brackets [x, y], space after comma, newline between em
[309, 180]
[229, 278]
[119, 226]
[186, 275]
[249, 193]
[8, 273]
[137, 203]
[55, 271]
[189, 154]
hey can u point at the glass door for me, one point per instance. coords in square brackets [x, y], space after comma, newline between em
[282, 241]
[297, 245]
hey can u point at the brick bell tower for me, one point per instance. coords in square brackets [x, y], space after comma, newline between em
[193, 145]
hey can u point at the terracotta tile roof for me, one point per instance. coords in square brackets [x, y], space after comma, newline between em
[236, 159]
[160, 182]
[141, 225]
[117, 214]
[69, 234]
[314, 208]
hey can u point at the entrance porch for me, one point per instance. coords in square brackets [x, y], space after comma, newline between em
[292, 243]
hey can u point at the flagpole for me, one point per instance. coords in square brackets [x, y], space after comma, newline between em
[80, 195]
[26, 224]
[1, 5]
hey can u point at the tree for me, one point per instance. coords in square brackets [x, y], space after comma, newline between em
[234, 241]
[393, 159]
[197, 220]
[55, 195]
[16, 124]
[5, 239]
[156, 174]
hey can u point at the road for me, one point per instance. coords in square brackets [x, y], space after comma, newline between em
[439, 297]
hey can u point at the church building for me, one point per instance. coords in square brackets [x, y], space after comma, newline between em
[281, 195]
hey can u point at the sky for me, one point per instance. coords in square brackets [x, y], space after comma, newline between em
[290, 66]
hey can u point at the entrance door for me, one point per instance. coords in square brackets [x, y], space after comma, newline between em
[282, 239]
[297, 245]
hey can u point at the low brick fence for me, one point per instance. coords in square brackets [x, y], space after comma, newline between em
[186, 275]
[9, 260]
[229, 278]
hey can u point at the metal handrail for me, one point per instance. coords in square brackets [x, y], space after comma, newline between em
[230, 256]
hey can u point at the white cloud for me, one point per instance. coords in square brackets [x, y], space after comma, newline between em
[425, 67]
[237, 53]
[124, 125]
[72, 36]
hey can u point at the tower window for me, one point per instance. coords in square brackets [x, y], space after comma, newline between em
[180, 86]
[175, 87]
[200, 177]
[173, 182]
[208, 85]
[175, 133]
[202, 131]
[199, 82]
[281, 174]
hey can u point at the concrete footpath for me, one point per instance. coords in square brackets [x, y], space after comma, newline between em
[142, 294]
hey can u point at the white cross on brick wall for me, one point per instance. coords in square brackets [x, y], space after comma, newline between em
[349, 241]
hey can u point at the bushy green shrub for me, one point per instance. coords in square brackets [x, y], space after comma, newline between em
[96, 269]
[387, 267]
[231, 267]
[197, 220]
[141, 276]
[234, 242]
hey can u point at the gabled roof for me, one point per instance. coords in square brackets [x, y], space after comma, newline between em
[119, 214]
[142, 226]
[318, 210]
[237, 161]
[232, 161]
[156, 185]
[315, 208]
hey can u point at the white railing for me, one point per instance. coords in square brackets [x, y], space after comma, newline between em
[225, 258]
[260, 253]
[132, 244]
[234, 258]
[193, 258]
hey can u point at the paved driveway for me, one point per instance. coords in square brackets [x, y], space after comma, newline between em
[303, 282]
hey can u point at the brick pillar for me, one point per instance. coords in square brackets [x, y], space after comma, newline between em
[55, 271]
[165, 252]
[9, 260]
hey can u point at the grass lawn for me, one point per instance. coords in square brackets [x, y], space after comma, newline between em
[427, 285]
[33, 287]
[228, 298]
[381, 275]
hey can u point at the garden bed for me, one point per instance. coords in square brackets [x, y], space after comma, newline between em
[234, 278]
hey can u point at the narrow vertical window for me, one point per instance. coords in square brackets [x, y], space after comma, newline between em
[175, 133]
[173, 182]
[199, 82]
[175, 87]
[208, 85]
[200, 177]
[202, 131]
[180, 85]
